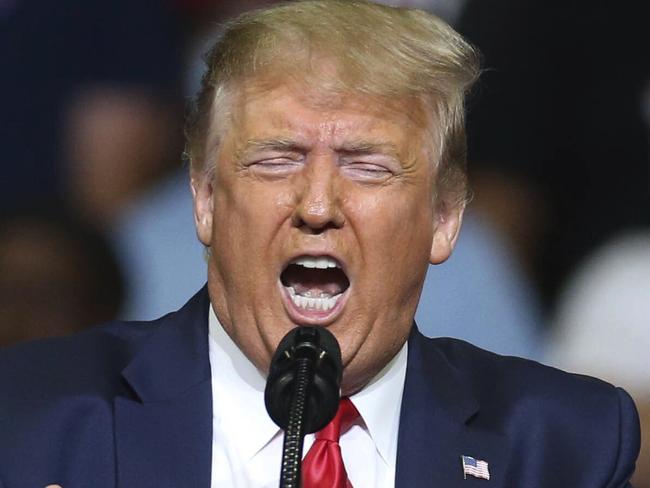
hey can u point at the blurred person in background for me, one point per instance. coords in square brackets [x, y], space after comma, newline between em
[482, 295]
[558, 148]
[90, 102]
[58, 275]
[603, 326]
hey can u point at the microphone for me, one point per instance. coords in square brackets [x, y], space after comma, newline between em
[302, 391]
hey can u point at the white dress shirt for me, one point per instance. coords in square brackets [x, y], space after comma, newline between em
[247, 445]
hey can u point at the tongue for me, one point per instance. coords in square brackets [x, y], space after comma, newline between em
[315, 282]
[320, 291]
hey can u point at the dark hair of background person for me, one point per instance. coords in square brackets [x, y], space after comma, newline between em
[58, 275]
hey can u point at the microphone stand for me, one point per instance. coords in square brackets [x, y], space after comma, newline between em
[294, 434]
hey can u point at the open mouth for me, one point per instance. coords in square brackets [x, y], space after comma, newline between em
[314, 284]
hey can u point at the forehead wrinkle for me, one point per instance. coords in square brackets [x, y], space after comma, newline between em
[284, 131]
[347, 135]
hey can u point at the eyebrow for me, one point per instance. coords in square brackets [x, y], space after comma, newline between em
[350, 148]
[368, 147]
[273, 144]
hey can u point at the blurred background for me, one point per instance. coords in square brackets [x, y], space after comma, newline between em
[554, 259]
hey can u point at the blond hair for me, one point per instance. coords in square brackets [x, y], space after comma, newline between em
[377, 50]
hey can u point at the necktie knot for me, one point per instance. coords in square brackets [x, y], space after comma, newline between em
[344, 418]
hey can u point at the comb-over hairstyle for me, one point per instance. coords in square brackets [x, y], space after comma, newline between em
[373, 49]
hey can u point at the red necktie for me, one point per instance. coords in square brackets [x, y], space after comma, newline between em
[323, 464]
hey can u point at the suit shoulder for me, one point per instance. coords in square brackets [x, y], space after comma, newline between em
[488, 371]
[512, 387]
[86, 362]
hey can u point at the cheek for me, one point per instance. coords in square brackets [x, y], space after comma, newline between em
[394, 236]
[249, 222]
[393, 221]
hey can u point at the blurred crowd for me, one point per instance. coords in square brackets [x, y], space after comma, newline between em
[554, 259]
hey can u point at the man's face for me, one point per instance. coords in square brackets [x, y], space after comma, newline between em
[321, 212]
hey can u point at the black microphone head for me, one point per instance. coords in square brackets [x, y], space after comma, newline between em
[319, 346]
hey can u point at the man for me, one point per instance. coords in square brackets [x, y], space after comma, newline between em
[327, 156]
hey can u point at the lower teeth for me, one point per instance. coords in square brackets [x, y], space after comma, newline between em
[324, 303]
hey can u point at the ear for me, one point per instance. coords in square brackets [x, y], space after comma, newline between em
[203, 205]
[446, 228]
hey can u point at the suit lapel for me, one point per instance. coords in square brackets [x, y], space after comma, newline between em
[164, 434]
[438, 425]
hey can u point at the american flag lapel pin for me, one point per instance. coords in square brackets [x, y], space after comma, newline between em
[475, 467]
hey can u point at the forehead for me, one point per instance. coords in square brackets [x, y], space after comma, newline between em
[318, 115]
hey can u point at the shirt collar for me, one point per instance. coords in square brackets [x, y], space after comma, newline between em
[379, 404]
[238, 396]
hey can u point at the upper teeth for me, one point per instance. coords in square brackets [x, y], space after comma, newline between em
[320, 262]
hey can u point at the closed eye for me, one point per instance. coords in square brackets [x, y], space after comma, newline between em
[364, 171]
[275, 167]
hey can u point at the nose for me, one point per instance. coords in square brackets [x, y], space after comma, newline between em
[318, 205]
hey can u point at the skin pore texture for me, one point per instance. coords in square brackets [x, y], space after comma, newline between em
[347, 177]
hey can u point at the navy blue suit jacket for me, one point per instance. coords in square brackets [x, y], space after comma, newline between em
[130, 405]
